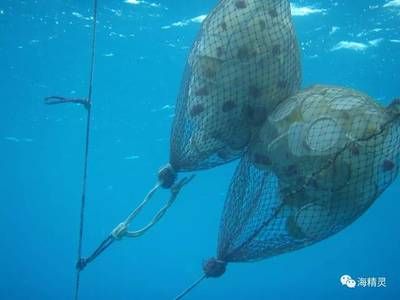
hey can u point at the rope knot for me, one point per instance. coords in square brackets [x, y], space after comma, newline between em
[214, 267]
[119, 231]
[167, 176]
[81, 264]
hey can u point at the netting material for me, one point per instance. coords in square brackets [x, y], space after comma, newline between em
[243, 63]
[335, 151]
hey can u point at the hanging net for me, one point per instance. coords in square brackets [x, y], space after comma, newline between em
[334, 151]
[244, 62]
[318, 163]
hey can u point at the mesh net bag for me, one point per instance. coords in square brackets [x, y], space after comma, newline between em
[335, 151]
[243, 63]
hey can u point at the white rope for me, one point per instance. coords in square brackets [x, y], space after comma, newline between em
[122, 229]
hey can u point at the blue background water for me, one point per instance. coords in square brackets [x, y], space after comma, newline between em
[44, 50]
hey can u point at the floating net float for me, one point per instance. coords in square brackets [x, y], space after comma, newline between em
[319, 162]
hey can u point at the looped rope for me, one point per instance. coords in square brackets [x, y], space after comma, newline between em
[122, 229]
[53, 100]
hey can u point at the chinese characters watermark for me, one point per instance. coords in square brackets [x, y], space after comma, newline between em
[363, 282]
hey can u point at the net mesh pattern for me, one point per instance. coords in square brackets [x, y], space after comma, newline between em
[335, 151]
[244, 62]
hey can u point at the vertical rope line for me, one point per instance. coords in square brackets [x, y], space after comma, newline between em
[86, 155]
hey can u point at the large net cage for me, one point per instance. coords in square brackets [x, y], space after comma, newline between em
[243, 63]
[334, 152]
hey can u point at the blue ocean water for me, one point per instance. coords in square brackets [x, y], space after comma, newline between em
[140, 55]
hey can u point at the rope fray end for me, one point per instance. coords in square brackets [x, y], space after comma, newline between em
[122, 229]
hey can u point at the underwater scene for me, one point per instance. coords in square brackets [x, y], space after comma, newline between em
[213, 149]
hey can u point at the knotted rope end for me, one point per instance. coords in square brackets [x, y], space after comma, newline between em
[167, 176]
[81, 264]
[119, 231]
[214, 268]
